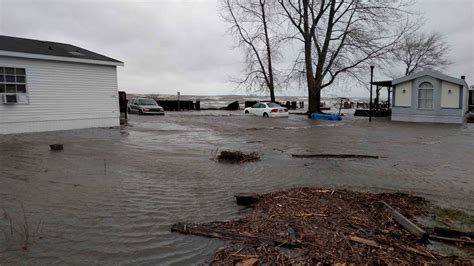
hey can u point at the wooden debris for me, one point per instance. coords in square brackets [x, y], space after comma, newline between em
[253, 261]
[335, 156]
[450, 239]
[200, 230]
[452, 233]
[237, 157]
[56, 147]
[364, 241]
[247, 198]
[307, 226]
[407, 224]
[417, 251]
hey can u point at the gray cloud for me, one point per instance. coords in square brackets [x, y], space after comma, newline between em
[184, 45]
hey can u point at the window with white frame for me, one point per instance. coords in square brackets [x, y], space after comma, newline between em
[425, 96]
[13, 82]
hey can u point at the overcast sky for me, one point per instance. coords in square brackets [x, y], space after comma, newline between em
[172, 45]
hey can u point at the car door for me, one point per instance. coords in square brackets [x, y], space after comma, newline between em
[260, 109]
[254, 109]
[134, 106]
[130, 105]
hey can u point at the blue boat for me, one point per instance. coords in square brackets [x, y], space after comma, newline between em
[319, 116]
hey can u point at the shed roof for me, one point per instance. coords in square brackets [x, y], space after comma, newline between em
[430, 73]
[383, 83]
[39, 47]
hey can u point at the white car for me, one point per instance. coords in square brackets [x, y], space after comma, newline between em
[267, 110]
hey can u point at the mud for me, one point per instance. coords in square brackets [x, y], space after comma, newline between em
[112, 194]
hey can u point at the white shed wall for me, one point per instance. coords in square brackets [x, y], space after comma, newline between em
[62, 95]
[403, 98]
[450, 100]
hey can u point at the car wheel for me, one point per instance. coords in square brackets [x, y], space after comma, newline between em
[247, 112]
[140, 112]
[265, 115]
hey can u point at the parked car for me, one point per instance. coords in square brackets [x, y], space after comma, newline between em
[267, 110]
[144, 106]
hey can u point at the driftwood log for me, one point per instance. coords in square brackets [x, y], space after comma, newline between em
[452, 233]
[364, 241]
[199, 230]
[407, 224]
[450, 239]
[336, 156]
[237, 157]
[56, 147]
[247, 199]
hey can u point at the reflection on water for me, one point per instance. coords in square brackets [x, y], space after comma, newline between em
[112, 195]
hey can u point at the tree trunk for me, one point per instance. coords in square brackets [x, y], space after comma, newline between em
[313, 102]
[270, 84]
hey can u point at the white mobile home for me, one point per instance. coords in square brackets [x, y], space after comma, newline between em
[47, 86]
[430, 96]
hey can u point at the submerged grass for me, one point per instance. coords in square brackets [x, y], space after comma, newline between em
[18, 233]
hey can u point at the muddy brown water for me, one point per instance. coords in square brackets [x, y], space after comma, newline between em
[111, 196]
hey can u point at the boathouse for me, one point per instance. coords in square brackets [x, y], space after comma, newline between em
[47, 86]
[430, 96]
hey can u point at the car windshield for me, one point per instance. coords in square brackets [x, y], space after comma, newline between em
[147, 102]
[273, 105]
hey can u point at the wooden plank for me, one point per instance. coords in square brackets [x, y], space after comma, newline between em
[364, 241]
[199, 230]
[450, 239]
[335, 156]
[407, 224]
[446, 232]
[417, 251]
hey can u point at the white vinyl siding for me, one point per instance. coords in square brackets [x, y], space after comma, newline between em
[450, 95]
[403, 94]
[425, 96]
[63, 92]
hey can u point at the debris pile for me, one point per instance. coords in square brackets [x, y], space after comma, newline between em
[56, 147]
[237, 157]
[310, 225]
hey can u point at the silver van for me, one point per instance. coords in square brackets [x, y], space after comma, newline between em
[144, 106]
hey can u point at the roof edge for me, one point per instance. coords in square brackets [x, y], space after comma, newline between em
[435, 74]
[59, 58]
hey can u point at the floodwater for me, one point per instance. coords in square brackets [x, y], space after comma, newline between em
[111, 196]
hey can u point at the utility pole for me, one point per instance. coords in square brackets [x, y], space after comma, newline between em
[371, 81]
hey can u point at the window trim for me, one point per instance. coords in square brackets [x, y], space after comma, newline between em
[424, 99]
[25, 95]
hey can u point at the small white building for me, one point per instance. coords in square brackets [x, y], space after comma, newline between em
[47, 86]
[430, 96]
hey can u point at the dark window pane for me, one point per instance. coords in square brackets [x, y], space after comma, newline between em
[20, 79]
[10, 88]
[2, 88]
[2, 78]
[1, 70]
[20, 89]
[20, 71]
[9, 70]
[10, 78]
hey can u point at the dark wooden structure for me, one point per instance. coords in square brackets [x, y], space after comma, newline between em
[123, 104]
[377, 108]
[175, 105]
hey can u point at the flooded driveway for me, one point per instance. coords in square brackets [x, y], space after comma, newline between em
[112, 194]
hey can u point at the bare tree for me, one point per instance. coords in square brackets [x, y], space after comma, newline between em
[251, 22]
[420, 51]
[341, 37]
